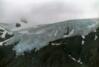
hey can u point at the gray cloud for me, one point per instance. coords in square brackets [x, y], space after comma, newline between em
[46, 11]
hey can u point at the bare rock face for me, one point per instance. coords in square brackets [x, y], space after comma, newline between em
[18, 24]
[4, 36]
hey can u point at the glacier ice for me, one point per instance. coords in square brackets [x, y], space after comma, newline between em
[38, 37]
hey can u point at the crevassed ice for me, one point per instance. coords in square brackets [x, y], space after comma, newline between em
[40, 36]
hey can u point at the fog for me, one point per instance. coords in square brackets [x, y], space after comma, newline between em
[38, 12]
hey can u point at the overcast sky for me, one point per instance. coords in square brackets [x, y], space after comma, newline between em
[47, 11]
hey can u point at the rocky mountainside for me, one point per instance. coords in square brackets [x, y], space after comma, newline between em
[77, 51]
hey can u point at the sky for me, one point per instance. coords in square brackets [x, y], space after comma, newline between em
[37, 12]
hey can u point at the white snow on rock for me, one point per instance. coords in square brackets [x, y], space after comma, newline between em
[96, 37]
[82, 42]
[76, 60]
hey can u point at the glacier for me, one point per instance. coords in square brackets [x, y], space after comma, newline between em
[31, 37]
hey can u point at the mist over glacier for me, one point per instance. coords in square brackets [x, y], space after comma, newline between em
[42, 21]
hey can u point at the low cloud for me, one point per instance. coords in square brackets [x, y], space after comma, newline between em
[47, 11]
